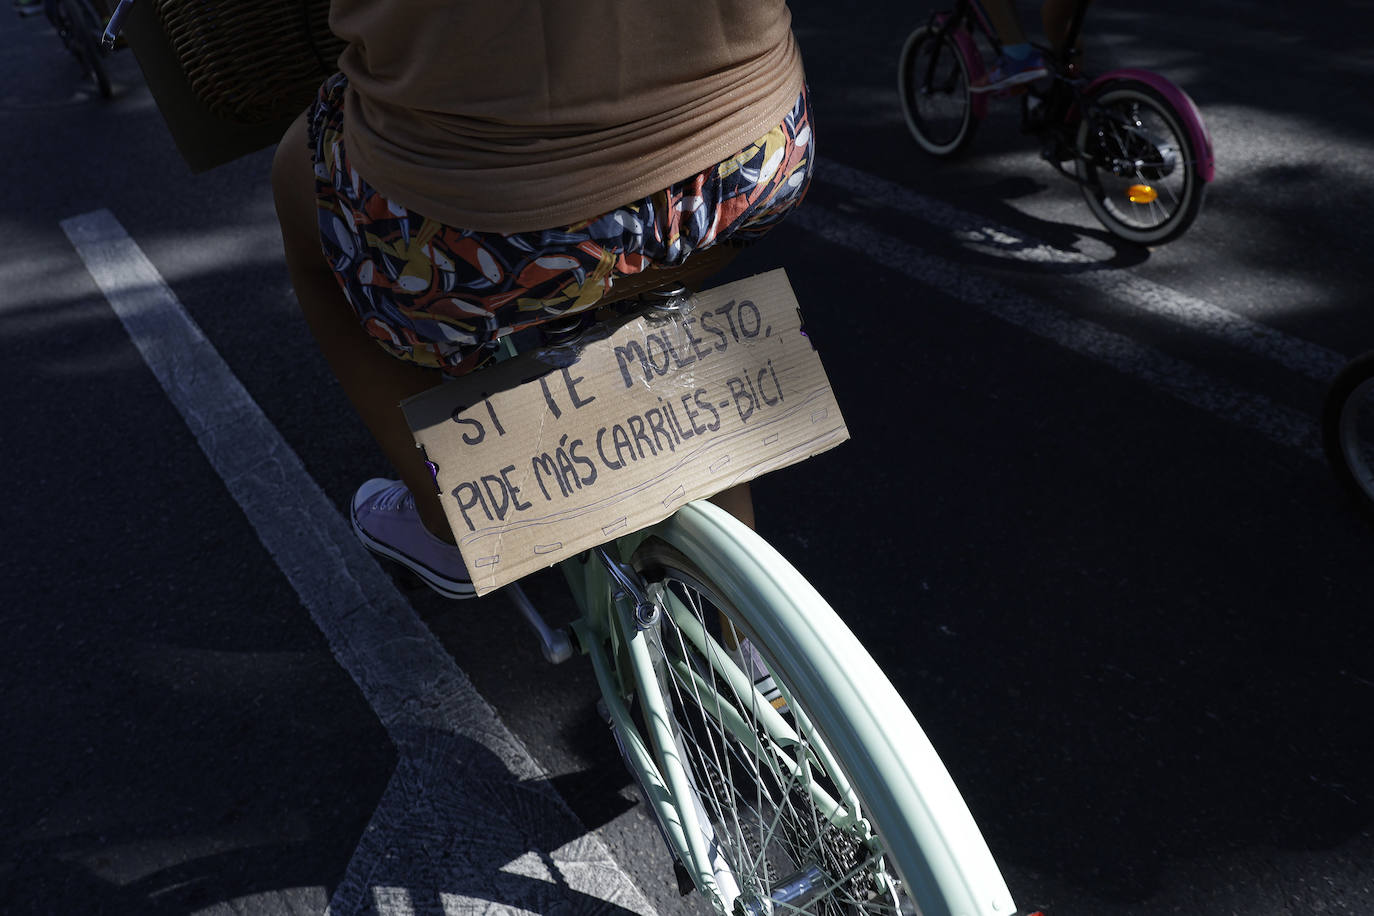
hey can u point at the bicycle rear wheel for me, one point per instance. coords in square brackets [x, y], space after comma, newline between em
[815, 789]
[1137, 167]
[933, 81]
[1348, 430]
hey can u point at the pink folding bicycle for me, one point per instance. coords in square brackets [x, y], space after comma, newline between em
[1132, 140]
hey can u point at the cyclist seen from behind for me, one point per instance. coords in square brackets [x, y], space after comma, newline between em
[474, 169]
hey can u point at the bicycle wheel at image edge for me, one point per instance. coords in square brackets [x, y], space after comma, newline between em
[1136, 164]
[933, 82]
[78, 24]
[1348, 430]
[816, 790]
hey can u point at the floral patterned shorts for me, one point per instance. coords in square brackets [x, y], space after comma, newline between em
[438, 296]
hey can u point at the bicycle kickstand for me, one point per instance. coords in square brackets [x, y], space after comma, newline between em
[556, 645]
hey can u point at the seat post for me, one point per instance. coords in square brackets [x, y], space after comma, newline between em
[565, 329]
[670, 300]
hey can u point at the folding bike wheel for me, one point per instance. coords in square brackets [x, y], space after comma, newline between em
[933, 81]
[1137, 166]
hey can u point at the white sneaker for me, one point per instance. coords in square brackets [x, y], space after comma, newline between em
[385, 520]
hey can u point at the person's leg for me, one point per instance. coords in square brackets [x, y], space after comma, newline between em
[374, 381]
[1055, 16]
[738, 501]
[1005, 21]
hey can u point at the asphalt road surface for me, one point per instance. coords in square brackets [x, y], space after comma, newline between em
[1083, 521]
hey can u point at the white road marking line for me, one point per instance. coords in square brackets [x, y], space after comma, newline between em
[459, 767]
[393, 900]
[1302, 356]
[1279, 423]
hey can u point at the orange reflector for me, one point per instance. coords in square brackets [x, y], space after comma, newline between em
[1141, 194]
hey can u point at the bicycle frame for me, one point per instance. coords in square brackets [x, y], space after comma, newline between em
[1062, 60]
[968, 17]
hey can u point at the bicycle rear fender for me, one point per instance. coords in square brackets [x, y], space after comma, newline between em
[898, 775]
[1181, 102]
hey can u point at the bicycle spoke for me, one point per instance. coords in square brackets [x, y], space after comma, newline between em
[840, 882]
[1135, 142]
[769, 818]
[734, 817]
[718, 771]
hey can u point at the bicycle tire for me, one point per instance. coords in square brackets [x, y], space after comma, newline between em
[1348, 430]
[941, 115]
[1130, 123]
[90, 26]
[76, 24]
[865, 736]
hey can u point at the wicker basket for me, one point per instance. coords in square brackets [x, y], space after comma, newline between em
[251, 61]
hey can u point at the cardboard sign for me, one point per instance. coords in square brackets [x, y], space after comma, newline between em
[559, 449]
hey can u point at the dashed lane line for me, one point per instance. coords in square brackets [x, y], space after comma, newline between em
[1123, 287]
[1279, 423]
[469, 821]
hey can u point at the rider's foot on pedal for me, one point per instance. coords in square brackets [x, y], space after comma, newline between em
[1018, 65]
[385, 520]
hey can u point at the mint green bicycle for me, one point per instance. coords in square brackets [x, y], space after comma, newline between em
[785, 772]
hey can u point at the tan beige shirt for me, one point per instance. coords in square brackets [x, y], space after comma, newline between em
[513, 115]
